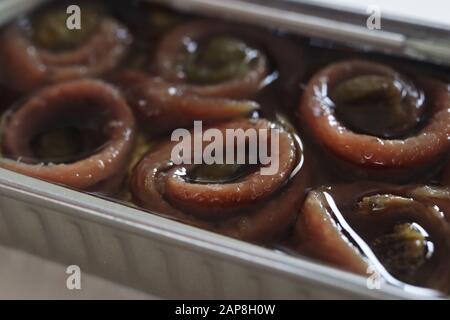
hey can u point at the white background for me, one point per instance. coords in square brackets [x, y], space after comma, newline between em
[427, 11]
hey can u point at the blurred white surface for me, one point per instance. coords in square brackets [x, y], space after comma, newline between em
[24, 276]
[430, 11]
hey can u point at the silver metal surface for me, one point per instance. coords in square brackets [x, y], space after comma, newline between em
[11, 8]
[160, 256]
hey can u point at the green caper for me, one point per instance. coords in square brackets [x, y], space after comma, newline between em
[220, 59]
[363, 87]
[162, 20]
[217, 173]
[375, 105]
[50, 29]
[403, 250]
[380, 202]
[59, 145]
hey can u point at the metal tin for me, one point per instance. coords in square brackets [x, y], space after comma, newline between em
[398, 35]
[161, 256]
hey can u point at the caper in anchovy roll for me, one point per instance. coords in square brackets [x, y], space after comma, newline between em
[43, 48]
[376, 123]
[400, 232]
[235, 199]
[79, 133]
[209, 71]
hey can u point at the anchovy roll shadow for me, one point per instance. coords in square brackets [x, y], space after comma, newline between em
[400, 232]
[207, 71]
[79, 134]
[375, 123]
[40, 50]
[232, 199]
